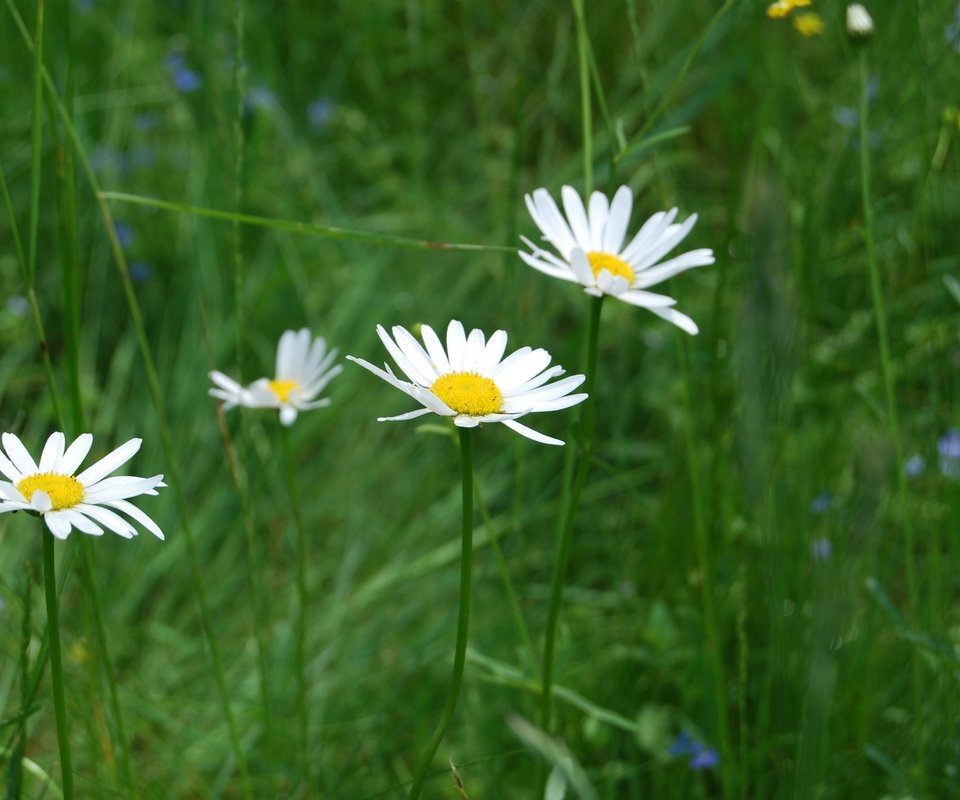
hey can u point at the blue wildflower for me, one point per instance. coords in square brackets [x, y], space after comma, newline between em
[145, 122]
[701, 756]
[184, 78]
[846, 116]
[914, 466]
[822, 503]
[124, 233]
[140, 272]
[18, 305]
[821, 549]
[705, 758]
[949, 449]
[320, 112]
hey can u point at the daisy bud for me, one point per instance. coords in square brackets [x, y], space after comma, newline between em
[859, 23]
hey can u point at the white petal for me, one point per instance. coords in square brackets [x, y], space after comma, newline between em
[7, 468]
[598, 211]
[21, 459]
[405, 364]
[523, 370]
[685, 261]
[79, 521]
[496, 344]
[288, 415]
[682, 321]
[638, 297]
[557, 403]
[409, 415]
[52, 453]
[670, 239]
[530, 433]
[564, 273]
[75, 454]
[9, 492]
[473, 352]
[120, 487]
[131, 510]
[58, 523]
[617, 221]
[414, 351]
[539, 380]
[456, 345]
[109, 462]
[580, 265]
[108, 519]
[649, 232]
[551, 222]
[576, 216]
[40, 501]
[438, 357]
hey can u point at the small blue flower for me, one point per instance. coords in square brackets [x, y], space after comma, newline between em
[683, 745]
[124, 233]
[18, 305]
[706, 758]
[822, 503]
[320, 112]
[821, 549]
[145, 122]
[914, 466]
[140, 272]
[846, 116]
[186, 80]
[949, 449]
[701, 756]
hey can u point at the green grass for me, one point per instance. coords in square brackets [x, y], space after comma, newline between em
[833, 678]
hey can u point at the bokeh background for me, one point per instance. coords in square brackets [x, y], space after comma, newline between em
[749, 470]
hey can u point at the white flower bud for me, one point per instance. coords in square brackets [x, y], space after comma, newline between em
[859, 23]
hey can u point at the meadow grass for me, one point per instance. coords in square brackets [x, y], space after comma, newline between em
[754, 569]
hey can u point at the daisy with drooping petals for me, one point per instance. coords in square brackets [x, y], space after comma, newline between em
[592, 251]
[303, 371]
[65, 501]
[471, 382]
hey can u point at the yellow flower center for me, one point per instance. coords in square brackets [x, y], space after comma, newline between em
[63, 490]
[615, 266]
[468, 393]
[282, 389]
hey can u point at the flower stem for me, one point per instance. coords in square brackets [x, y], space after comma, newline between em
[56, 661]
[571, 498]
[583, 56]
[303, 600]
[463, 618]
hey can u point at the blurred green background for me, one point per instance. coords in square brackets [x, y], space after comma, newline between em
[767, 434]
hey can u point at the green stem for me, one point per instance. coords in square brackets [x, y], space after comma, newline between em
[570, 501]
[56, 660]
[583, 57]
[886, 369]
[303, 599]
[36, 161]
[463, 618]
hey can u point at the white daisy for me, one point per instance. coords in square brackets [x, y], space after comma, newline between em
[471, 382]
[66, 501]
[303, 371]
[592, 251]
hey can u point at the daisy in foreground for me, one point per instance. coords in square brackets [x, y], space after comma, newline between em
[65, 501]
[471, 382]
[592, 251]
[303, 371]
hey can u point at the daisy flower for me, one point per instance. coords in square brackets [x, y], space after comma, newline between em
[592, 252]
[65, 501]
[471, 382]
[303, 371]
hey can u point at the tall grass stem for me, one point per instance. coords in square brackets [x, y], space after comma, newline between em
[570, 500]
[463, 616]
[56, 660]
[303, 603]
